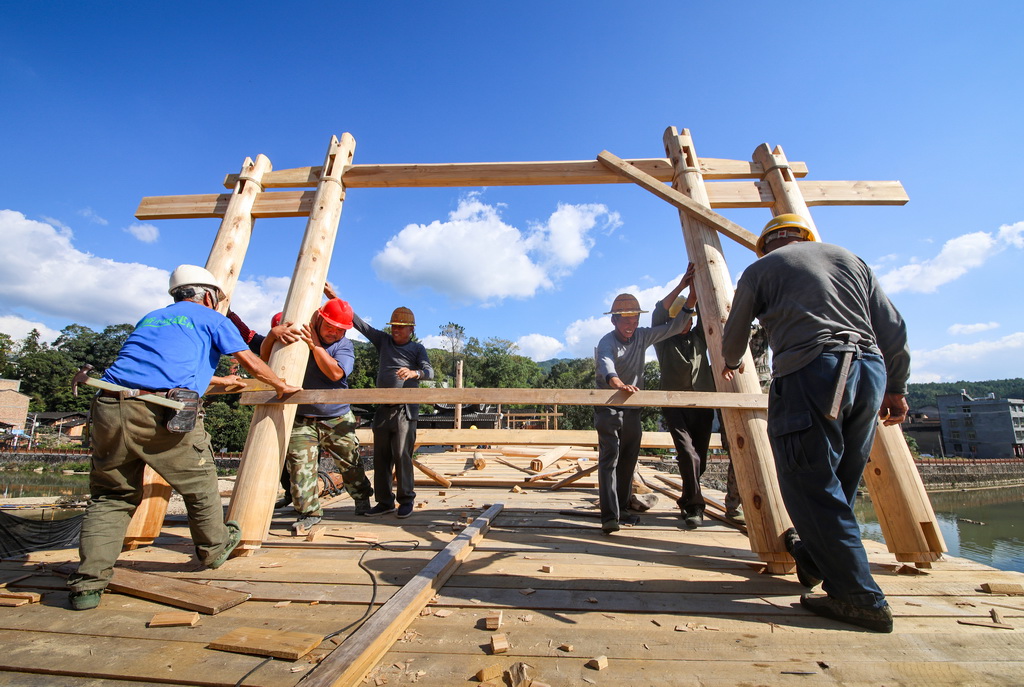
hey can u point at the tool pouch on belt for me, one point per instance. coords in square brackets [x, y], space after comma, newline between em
[184, 420]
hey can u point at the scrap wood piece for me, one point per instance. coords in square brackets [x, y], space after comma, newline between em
[432, 474]
[518, 675]
[19, 578]
[489, 673]
[350, 662]
[513, 465]
[552, 473]
[493, 621]
[290, 646]
[499, 644]
[572, 478]
[689, 206]
[1008, 588]
[30, 597]
[598, 663]
[544, 461]
[174, 619]
[168, 590]
[10, 603]
[980, 623]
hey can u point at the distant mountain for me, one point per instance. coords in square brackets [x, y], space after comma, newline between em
[548, 364]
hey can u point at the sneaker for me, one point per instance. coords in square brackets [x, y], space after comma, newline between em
[610, 526]
[234, 537]
[790, 539]
[85, 601]
[362, 506]
[303, 524]
[875, 619]
[380, 509]
[404, 510]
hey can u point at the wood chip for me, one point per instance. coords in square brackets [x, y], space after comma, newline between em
[424, 612]
[547, 568]
[598, 663]
[997, 617]
[493, 621]
[517, 675]
[567, 648]
[270, 565]
[591, 600]
[527, 591]
[442, 612]
[29, 597]
[980, 623]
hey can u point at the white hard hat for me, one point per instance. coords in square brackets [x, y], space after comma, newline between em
[184, 275]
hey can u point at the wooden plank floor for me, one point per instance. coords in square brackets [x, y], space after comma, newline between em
[665, 605]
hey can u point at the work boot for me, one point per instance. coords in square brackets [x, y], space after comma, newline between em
[692, 517]
[303, 524]
[362, 506]
[404, 510]
[234, 537]
[610, 526]
[875, 619]
[790, 539]
[85, 601]
[735, 516]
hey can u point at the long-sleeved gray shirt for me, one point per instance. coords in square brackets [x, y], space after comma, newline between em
[625, 360]
[391, 357]
[805, 294]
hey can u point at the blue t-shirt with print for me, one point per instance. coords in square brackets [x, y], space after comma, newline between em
[176, 346]
[344, 353]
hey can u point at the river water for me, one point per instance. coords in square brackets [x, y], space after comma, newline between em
[982, 525]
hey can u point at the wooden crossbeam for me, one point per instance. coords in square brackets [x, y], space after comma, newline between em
[723, 194]
[504, 173]
[524, 437]
[350, 662]
[581, 397]
[680, 200]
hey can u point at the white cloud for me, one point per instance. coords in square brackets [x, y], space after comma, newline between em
[147, 233]
[956, 258]
[957, 329]
[581, 336]
[539, 347]
[54, 278]
[474, 256]
[994, 359]
[18, 327]
[433, 341]
[91, 215]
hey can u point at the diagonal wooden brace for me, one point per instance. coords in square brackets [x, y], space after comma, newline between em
[680, 200]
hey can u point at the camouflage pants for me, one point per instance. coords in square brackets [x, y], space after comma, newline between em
[336, 436]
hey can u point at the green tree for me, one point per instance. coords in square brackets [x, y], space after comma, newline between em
[84, 346]
[454, 336]
[8, 351]
[578, 373]
[46, 375]
[228, 425]
[498, 366]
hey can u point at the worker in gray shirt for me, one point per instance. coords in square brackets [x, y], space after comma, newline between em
[840, 360]
[402, 363]
[619, 359]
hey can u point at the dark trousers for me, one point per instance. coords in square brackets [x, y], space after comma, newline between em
[394, 437]
[691, 433]
[820, 463]
[618, 437]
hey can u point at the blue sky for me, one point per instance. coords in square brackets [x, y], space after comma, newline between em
[106, 103]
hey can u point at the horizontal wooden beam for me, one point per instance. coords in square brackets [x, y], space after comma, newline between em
[524, 437]
[503, 173]
[680, 200]
[580, 397]
[722, 194]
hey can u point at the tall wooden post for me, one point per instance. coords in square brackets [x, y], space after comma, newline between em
[747, 429]
[225, 263]
[897, 492]
[458, 406]
[252, 502]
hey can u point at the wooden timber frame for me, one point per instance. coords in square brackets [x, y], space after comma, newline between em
[768, 180]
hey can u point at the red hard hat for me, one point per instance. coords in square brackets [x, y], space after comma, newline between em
[276, 319]
[337, 312]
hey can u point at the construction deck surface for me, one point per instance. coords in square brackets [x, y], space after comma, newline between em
[664, 605]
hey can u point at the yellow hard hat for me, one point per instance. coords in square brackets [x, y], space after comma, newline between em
[402, 317]
[625, 304]
[777, 224]
[676, 306]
